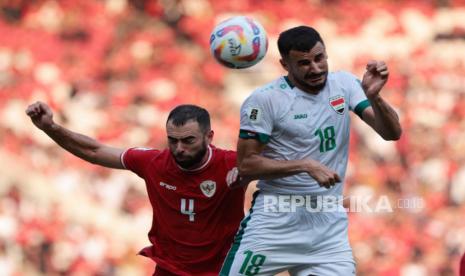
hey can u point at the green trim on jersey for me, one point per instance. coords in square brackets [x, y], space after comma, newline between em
[361, 106]
[261, 137]
[289, 82]
[228, 261]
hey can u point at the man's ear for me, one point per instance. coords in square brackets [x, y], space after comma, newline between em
[284, 64]
[210, 135]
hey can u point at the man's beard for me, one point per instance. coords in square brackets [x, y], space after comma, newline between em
[192, 161]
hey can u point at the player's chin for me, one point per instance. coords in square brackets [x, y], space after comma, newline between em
[317, 84]
[185, 162]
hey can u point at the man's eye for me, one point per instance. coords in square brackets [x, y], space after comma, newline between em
[189, 141]
[318, 58]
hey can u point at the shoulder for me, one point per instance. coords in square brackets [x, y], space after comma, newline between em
[223, 153]
[271, 90]
[343, 77]
[229, 156]
[139, 158]
[143, 153]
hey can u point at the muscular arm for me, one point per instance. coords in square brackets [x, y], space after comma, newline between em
[383, 119]
[381, 116]
[254, 166]
[80, 145]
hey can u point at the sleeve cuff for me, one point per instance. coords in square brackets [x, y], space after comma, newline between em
[261, 137]
[361, 107]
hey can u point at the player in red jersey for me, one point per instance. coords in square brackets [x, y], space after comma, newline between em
[462, 266]
[195, 214]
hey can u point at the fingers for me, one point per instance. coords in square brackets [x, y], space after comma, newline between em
[38, 108]
[379, 67]
[382, 69]
[371, 65]
[337, 178]
[330, 181]
[33, 109]
[323, 175]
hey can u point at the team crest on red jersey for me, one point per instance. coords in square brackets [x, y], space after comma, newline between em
[208, 188]
[338, 103]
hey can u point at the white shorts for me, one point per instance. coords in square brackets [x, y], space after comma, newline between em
[300, 241]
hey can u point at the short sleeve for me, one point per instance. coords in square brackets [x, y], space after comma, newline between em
[358, 101]
[136, 159]
[231, 159]
[257, 117]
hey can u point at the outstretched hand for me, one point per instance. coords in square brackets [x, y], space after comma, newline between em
[41, 115]
[374, 78]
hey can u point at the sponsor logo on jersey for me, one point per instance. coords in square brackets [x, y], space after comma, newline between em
[338, 104]
[168, 186]
[208, 188]
[300, 116]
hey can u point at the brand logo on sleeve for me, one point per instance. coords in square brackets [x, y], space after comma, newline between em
[208, 188]
[338, 104]
[168, 186]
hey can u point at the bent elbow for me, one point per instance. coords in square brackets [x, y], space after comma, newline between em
[246, 169]
[395, 136]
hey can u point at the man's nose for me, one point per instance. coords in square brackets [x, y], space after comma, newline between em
[179, 148]
[315, 68]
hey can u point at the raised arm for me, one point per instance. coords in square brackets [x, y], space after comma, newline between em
[80, 145]
[253, 165]
[380, 116]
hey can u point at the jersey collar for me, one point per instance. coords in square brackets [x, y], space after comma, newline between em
[286, 78]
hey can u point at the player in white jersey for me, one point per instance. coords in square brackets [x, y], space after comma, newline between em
[294, 137]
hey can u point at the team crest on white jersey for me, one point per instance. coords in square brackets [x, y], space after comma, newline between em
[208, 188]
[338, 104]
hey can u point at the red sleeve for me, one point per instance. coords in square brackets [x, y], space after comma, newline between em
[137, 159]
[231, 159]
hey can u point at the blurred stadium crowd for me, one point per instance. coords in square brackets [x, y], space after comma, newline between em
[112, 69]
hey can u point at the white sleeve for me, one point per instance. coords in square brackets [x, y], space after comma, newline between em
[257, 117]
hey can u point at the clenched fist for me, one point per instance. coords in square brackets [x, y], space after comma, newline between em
[374, 78]
[41, 115]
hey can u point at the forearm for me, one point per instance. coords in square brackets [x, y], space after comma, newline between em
[259, 167]
[79, 145]
[386, 120]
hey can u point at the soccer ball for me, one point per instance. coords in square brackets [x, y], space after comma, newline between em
[238, 42]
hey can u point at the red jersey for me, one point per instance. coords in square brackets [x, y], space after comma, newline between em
[462, 266]
[195, 214]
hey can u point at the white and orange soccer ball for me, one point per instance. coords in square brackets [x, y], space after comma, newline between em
[239, 42]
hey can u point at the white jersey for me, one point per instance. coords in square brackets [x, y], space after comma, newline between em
[296, 125]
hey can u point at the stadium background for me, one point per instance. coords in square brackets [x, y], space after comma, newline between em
[112, 69]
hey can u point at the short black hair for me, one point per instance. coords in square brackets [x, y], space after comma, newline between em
[181, 114]
[301, 38]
